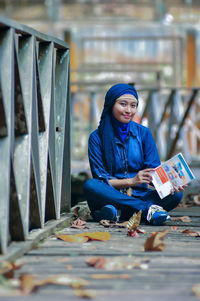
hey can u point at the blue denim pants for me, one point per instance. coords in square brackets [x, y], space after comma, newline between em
[99, 194]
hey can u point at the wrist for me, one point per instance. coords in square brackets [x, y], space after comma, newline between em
[130, 182]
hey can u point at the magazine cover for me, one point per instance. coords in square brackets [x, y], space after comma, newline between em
[174, 172]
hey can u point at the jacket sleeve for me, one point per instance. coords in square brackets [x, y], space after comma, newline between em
[97, 165]
[151, 156]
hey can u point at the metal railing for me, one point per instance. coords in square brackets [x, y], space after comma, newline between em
[172, 114]
[34, 130]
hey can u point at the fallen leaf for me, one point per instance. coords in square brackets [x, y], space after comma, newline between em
[190, 232]
[7, 269]
[174, 228]
[84, 237]
[110, 224]
[28, 284]
[197, 200]
[122, 225]
[79, 224]
[133, 233]
[101, 236]
[69, 267]
[105, 223]
[196, 289]
[97, 262]
[185, 219]
[134, 221]
[87, 294]
[155, 241]
[116, 263]
[73, 238]
[111, 276]
[70, 280]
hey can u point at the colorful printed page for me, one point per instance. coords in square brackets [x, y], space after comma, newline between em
[174, 172]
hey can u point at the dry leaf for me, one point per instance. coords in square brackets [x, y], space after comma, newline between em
[105, 223]
[70, 280]
[197, 200]
[79, 224]
[73, 238]
[185, 219]
[116, 263]
[27, 284]
[196, 289]
[122, 225]
[69, 267]
[84, 237]
[134, 221]
[111, 276]
[190, 232]
[88, 294]
[102, 236]
[155, 241]
[7, 269]
[174, 228]
[133, 233]
[106, 264]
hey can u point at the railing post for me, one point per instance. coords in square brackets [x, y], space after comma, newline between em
[35, 144]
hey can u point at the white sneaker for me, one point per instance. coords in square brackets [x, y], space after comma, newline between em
[157, 215]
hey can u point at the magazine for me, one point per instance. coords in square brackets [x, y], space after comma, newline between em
[174, 172]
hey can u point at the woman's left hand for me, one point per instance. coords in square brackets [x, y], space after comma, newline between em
[178, 189]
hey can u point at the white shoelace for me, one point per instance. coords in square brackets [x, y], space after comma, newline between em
[152, 210]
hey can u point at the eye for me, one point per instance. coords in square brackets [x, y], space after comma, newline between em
[134, 105]
[123, 104]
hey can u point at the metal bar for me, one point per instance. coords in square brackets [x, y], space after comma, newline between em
[173, 144]
[25, 30]
[35, 175]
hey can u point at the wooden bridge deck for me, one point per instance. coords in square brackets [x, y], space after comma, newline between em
[169, 274]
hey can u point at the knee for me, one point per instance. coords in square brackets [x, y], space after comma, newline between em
[88, 186]
[178, 197]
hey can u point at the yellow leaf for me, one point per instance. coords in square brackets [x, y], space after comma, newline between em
[96, 235]
[72, 238]
[84, 237]
[134, 221]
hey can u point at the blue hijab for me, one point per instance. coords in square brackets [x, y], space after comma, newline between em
[105, 128]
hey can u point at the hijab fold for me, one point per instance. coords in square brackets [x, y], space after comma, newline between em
[105, 128]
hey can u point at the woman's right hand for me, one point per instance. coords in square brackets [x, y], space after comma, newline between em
[143, 176]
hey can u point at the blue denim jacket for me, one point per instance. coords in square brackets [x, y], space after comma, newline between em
[136, 153]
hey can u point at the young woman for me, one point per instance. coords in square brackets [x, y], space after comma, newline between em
[122, 154]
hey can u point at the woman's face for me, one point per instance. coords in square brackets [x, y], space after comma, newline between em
[125, 108]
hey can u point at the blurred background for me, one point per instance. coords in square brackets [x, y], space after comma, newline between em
[151, 44]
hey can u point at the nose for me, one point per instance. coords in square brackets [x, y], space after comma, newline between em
[128, 109]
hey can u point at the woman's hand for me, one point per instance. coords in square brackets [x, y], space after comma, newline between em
[178, 189]
[143, 176]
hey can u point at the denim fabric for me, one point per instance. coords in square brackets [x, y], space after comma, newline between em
[99, 194]
[136, 153]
